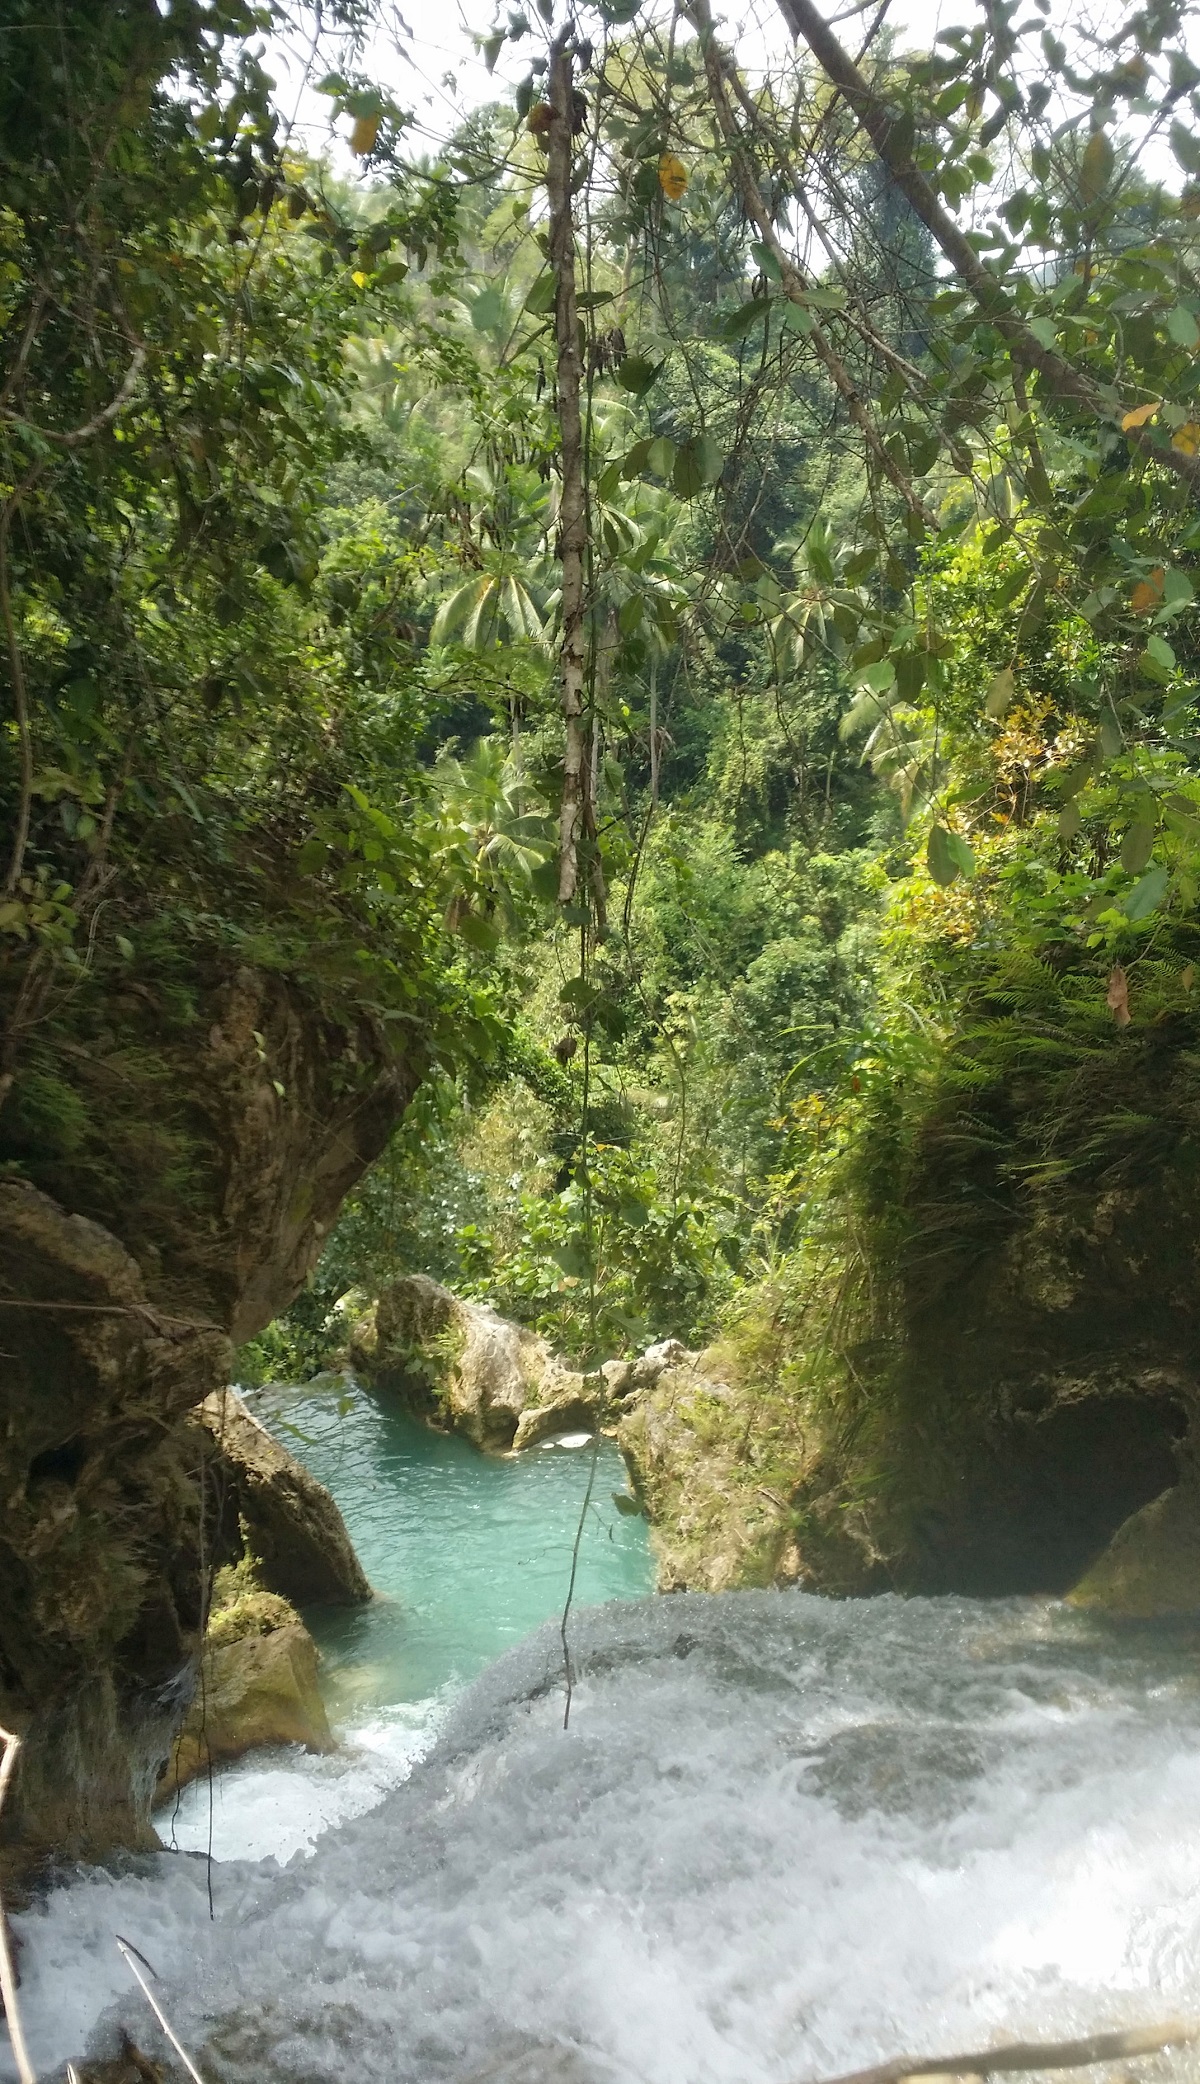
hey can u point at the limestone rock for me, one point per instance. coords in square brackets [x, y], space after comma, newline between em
[296, 1533]
[256, 1691]
[704, 1460]
[569, 1413]
[472, 1369]
[1151, 1567]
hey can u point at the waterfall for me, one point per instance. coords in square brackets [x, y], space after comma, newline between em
[782, 1838]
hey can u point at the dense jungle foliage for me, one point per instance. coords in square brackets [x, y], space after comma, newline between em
[890, 829]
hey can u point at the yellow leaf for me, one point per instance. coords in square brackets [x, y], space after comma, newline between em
[1095, 167]
[1147, 594]
[1139, 416]
[363, 135]
[359, 278]
[672, 176]
[1187, 438]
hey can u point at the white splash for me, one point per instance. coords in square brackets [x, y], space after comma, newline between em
[782, 1837]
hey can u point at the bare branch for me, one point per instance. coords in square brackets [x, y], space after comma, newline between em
[720, 70]
[1030, 2055]
[131, 1958]
[99, 421]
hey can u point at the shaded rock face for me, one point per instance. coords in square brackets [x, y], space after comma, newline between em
[955, 1482]
[1040, 1391]
[258, 1691]
[100, 1536]
[296, 1534]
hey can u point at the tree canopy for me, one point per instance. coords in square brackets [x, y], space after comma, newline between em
[679, 603]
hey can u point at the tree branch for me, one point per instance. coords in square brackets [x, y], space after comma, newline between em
[16, 668]
[1066, 383]
[718, 66]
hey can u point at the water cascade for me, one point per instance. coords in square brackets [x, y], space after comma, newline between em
[781, 1838]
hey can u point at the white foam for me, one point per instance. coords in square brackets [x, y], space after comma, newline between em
[782, 1837]
[275, 1804]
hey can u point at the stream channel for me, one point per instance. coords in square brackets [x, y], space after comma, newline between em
[782, 1837]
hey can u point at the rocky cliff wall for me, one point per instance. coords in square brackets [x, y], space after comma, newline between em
[128, 1265]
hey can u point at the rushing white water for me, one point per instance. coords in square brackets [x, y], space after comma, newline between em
[782, 1837]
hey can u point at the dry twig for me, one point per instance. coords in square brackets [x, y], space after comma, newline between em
[8, 1973]
[1029, 2055]
[131, 1958]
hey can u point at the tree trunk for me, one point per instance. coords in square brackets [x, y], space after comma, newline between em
[572, 519]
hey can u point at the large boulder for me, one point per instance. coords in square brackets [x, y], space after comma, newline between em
[1151, 1567]
[470, 1369]
[294, 1529]
[255, 1691]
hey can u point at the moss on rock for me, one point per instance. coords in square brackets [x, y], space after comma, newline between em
[1151, 1567]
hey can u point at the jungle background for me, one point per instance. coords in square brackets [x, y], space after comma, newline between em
[883, 937]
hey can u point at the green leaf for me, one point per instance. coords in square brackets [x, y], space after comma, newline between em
[660, 456]
[999, 696]
[736, 324]
[541, 296]
[1137, 847]
[1182, 327]
[943, 861]
[634, 461]
[1157, 661]
[824, 298]
[768, 263]
[962, 853]
[636, 374]
[1044, 333]
[794, 318]
[699, 461]
[477, 932]
[1186, 147]
[911, 668]
[487, 310]
[1146, 896]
